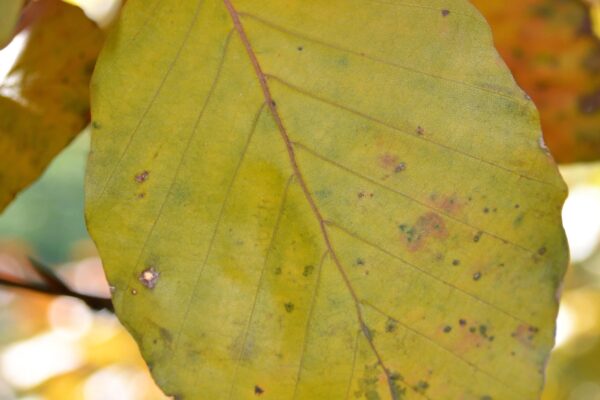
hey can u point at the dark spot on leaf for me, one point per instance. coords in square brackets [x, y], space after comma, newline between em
[273, 103]
[258, 390]
[486, 397]
[165, 334]
[542, 251]
[421, 386]
[517, 206]
[149, 277]
[141, 195]
[455, 262]
[400, 167]
[96, 125]
[360, 261]
[486, 210]
[462, 322]
[300, 48]
[476, 276]
[308, 270]
[447, 329]
[390, 325]
[445, 13]
[472, 329]
[420, 131]
[133, 292]
[142, 177]
[483, 330]
[477, 237]
[289, 307]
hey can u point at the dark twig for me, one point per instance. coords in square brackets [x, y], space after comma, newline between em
[55, 286]
[48, 275]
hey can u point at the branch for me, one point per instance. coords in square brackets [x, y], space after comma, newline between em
[56, 287]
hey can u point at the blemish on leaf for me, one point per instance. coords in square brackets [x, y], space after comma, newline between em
[421, 386]
[289, 307]
[134, 291]
[462, 322]
[258, 390]
[96, 125]
[149, 277]
[455, 262]
[428, 225]
[360, 261]
[525, 334]
[300, 48]
[308, 270]
[477, 276]
[445, 13]
[477, 236]
[165, 334]
[390, 325]
[142, 177]
[447, 329]
[420, 131]
[400, 167]
[542, 251]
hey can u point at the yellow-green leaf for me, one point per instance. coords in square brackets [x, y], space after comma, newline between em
[44, 101]
[324, 200]
[9, 16]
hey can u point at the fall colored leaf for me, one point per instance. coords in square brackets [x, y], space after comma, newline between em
[324, 200]
[551, 49]
[44, 101]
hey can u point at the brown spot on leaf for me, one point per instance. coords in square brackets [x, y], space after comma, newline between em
[477, 276]
[258, 390]
[289, 307]
[420, 131]
[525, 334]
[445, 13]
[449, 204]
[142, 177]
[428, 225]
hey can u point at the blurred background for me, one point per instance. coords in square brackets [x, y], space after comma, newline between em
[57, 348]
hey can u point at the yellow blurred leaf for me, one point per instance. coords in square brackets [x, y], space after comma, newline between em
[44, 101]
[324, 200]
[551, 49]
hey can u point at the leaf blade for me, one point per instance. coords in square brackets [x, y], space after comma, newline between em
[289, 280]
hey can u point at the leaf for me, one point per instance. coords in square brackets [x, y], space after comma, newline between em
[324, 200]
[44, 101]
[9, 17]
[551, 49]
